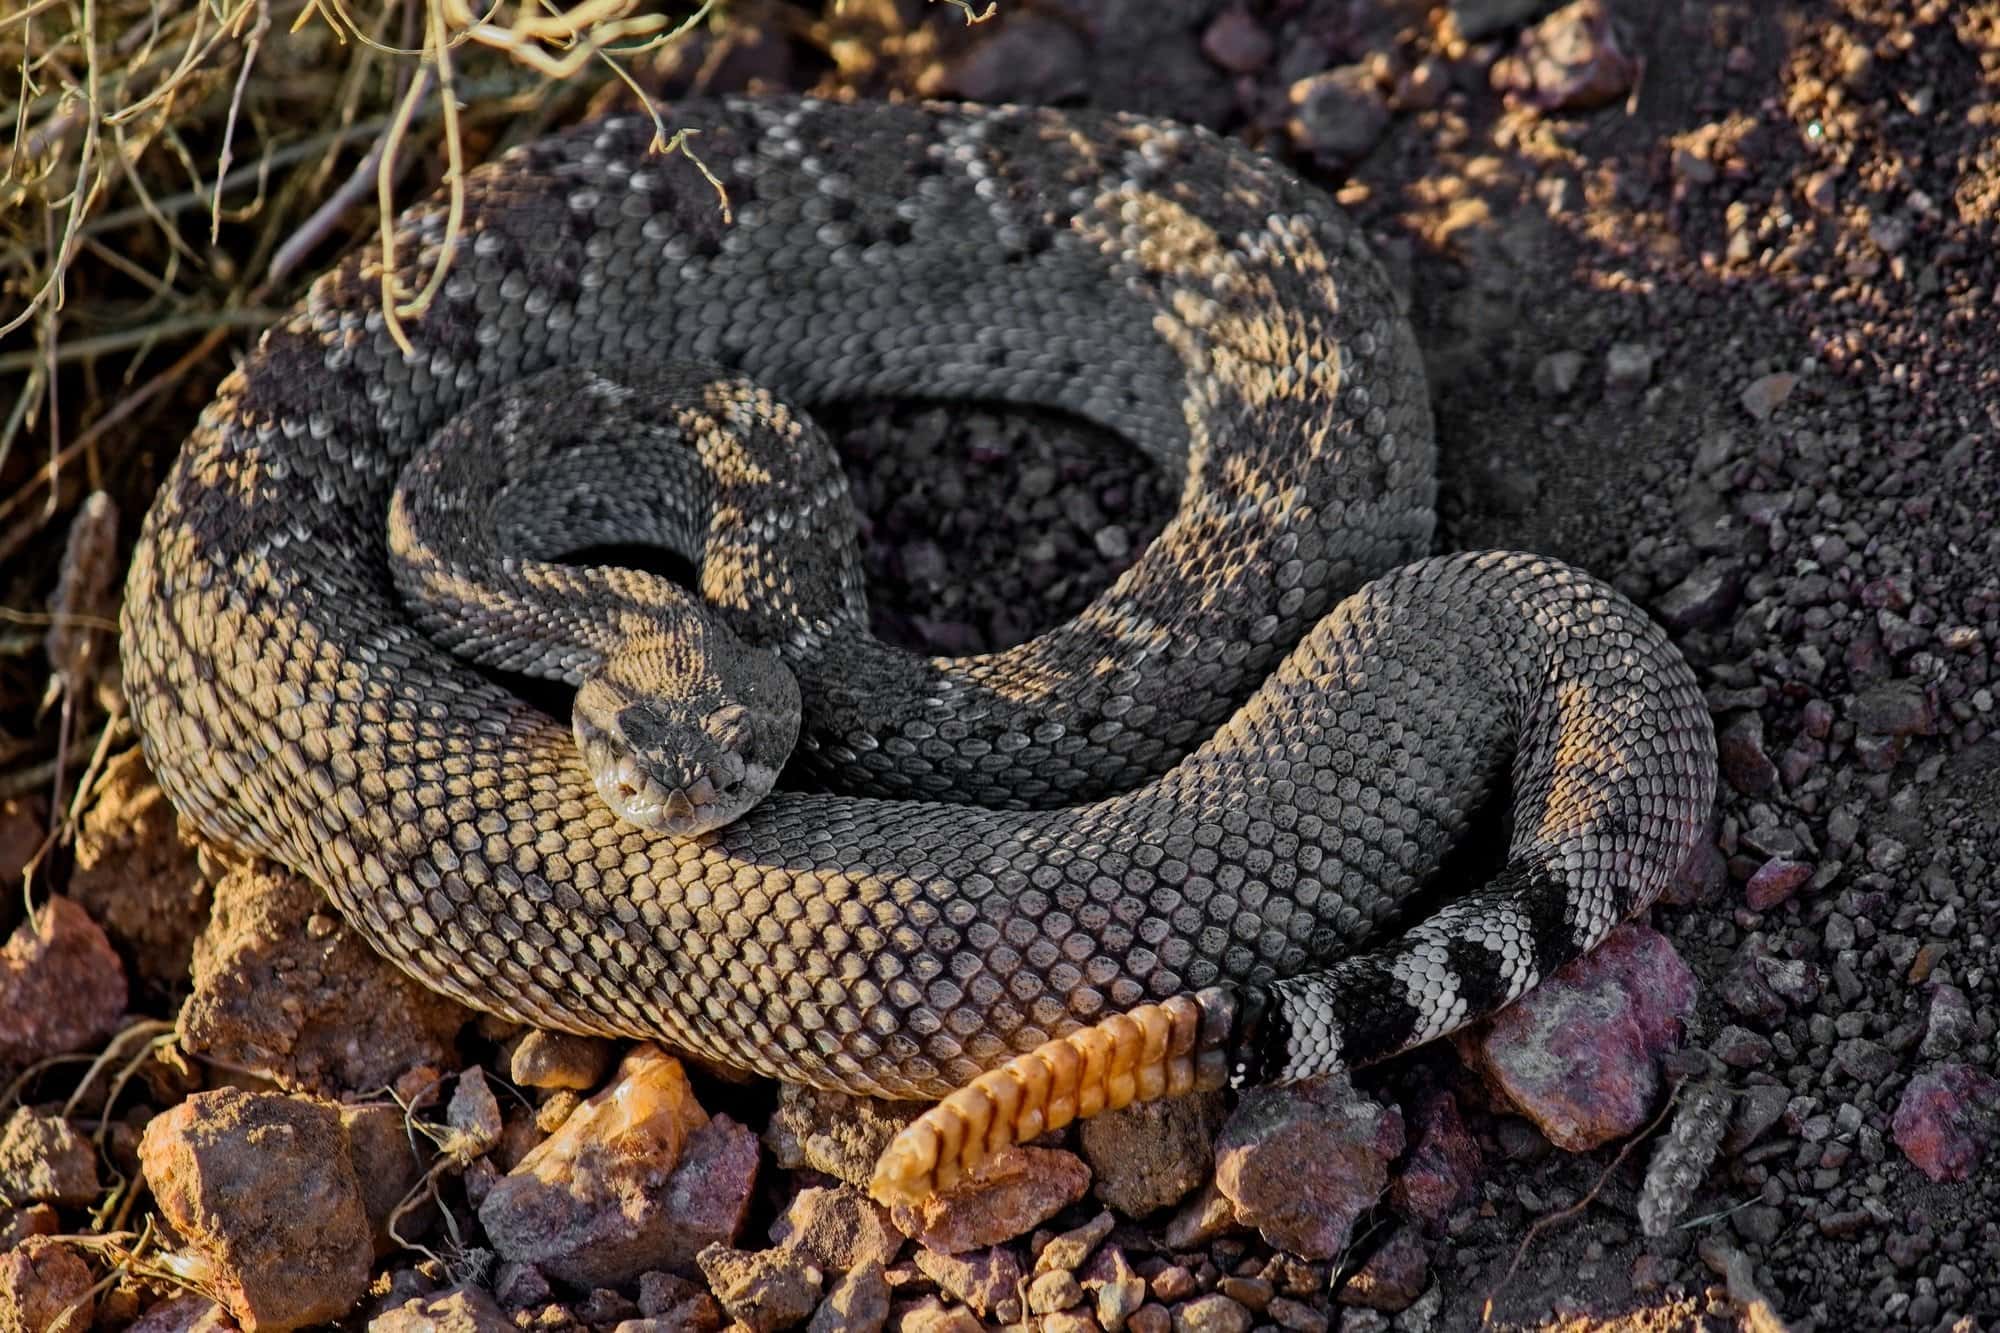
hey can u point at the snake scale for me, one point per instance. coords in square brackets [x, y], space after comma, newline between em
[1079, 872]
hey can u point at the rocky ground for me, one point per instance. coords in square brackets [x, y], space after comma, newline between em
[1707, 294]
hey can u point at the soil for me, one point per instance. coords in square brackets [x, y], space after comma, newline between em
[1727, 339]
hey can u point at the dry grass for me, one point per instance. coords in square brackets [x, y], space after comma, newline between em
[171, 167]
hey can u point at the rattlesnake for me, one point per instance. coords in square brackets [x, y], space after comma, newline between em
[1157, 279]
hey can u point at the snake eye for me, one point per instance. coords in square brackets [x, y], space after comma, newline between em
[642, 727]
[732, 727]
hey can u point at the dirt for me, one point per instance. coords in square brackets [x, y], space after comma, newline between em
[1727, 339]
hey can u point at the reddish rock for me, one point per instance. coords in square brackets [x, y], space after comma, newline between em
[45, 1288]
[18, 1224]
[1946, 1120]
[1393, 1276]
[1444, 1166]
[560, 1060]
[136, 876]
[1149, 1156]
[236, 1172]
[460, 1310]
[186, 1313]
[982, 1279]
[284, 989]
[858, 1303]
[1014, 1193]
[1213, 1313]
[1579, 1054]
[834, 1132]
[1119, 1291]
[62, 987]
[473, 1116]
[43, 1159]
[838, 1228]
[1740, 750]
[387, 1167]
[638, 1177]
[1302, 1163]
[1775, 882]
[762, 1290]
[1201, 1219]
[931, 1315]
[1570, 61]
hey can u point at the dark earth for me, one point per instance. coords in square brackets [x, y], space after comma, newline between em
[1707, 295]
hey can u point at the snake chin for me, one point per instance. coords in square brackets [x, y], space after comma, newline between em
[683, 785]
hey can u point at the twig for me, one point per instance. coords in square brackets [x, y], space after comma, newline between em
[1556, 1219]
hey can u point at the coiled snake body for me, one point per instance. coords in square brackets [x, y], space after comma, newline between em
[1156, 279]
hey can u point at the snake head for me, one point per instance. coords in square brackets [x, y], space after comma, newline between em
[684, 733]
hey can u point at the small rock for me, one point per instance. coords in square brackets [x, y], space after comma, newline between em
[1054, 1290]
[1579, 1054]
[1118, 1289]
[1149, 1319]
[763, 1290]
[1947, 1023]
[387, 1167]
[1480, 19]
[1203, 1218]
[1302, 1163]
[835, 1133]
[1069, 1250]
[981, 1279]
[283, 988]
[43, 1159]
[560, 1060]
[931, 1315]
[1173, 1283]
[1703, 599]
[1570, 61]
[1894, 708]
[1767, 394]
[858, 1303]
[1444, 1166]
[638, 1177]
[186, 1313]
[473, 1115]
[1252, 1293]
[1393, 1276]
[1014, 1193]
[1237, 42]
[1557, 373]
[459, 1310]
[1740, 750]
[838, 1228]
[1031, 58]
[45, 1287]
[1295, 1315]
[1213, 1313]
[1149, 1155]
[1628, 368]
[234, 1172]
[1761, 1106]
[1740, 1048]
[62, 987]
[1775, 882]
[1337, 115]
[1864, 1060]
[18, 1224]
[1945, 1120]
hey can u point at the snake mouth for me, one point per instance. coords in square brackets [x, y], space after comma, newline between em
[638, 798]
